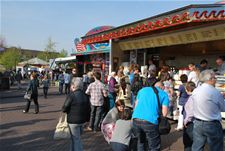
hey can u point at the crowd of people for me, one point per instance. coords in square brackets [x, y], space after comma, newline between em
[126, 108]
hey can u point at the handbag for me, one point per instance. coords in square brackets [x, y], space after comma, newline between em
[107, 131]
[27, 96]
[62, 130]
[164, 125]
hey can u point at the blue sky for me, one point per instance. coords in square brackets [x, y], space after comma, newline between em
[29, 24]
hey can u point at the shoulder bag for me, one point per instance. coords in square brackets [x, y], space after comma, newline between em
[164, 125]
[62, 130]
[27, 95]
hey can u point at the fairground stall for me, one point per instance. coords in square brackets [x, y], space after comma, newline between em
[175, 38]
[93, 56]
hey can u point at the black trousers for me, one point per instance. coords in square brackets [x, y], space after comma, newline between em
[67, 88]
[35, 99]
[45, 91]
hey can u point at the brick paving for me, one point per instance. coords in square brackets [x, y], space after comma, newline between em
[34, 132]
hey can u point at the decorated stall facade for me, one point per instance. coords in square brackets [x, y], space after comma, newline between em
[93, 56]
[176, 38]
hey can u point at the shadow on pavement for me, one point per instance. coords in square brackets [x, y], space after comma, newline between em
[20, 108]
[22, 123]
[95, 141]
[35, 141]
[5, 109]
[168, 140]
[43, 141]
[44, 112]
[12, 100]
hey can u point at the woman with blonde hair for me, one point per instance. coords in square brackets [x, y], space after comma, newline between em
[194, 74]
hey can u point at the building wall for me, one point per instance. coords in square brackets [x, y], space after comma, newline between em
[183, 61]
[181, 55]
[117, 55]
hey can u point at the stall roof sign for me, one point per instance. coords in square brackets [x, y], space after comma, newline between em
[93, 48]
[90, 52]
[185, 15]
[210, 33]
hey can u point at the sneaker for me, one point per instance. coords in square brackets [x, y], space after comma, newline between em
[35, 112]
[24, 111]
[89, 129]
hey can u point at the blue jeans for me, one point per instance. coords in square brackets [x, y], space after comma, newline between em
[96, 113]
[61, 88]
[133, 99]
[146, 131]
[112, 98]
[119, 147]
[207, 132]
[76, 131]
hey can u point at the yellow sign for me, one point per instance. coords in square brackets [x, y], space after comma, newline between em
[216, 32]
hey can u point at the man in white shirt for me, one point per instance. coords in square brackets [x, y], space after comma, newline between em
[151, 69]
[194, 74]
[208, 105]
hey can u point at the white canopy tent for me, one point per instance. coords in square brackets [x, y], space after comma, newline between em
[65, 59]
[34, 61]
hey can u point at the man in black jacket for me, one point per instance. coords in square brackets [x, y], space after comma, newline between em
[77, 107]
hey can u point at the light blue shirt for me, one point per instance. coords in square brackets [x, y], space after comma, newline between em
[147, 106]
[208, 103]
[67, 78]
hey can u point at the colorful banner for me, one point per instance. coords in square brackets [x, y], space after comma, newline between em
[93, 48]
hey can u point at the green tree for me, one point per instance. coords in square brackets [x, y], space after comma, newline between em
[42, 55]
[49, 51]
[63, 53]
[10, 58]
[26, 56]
